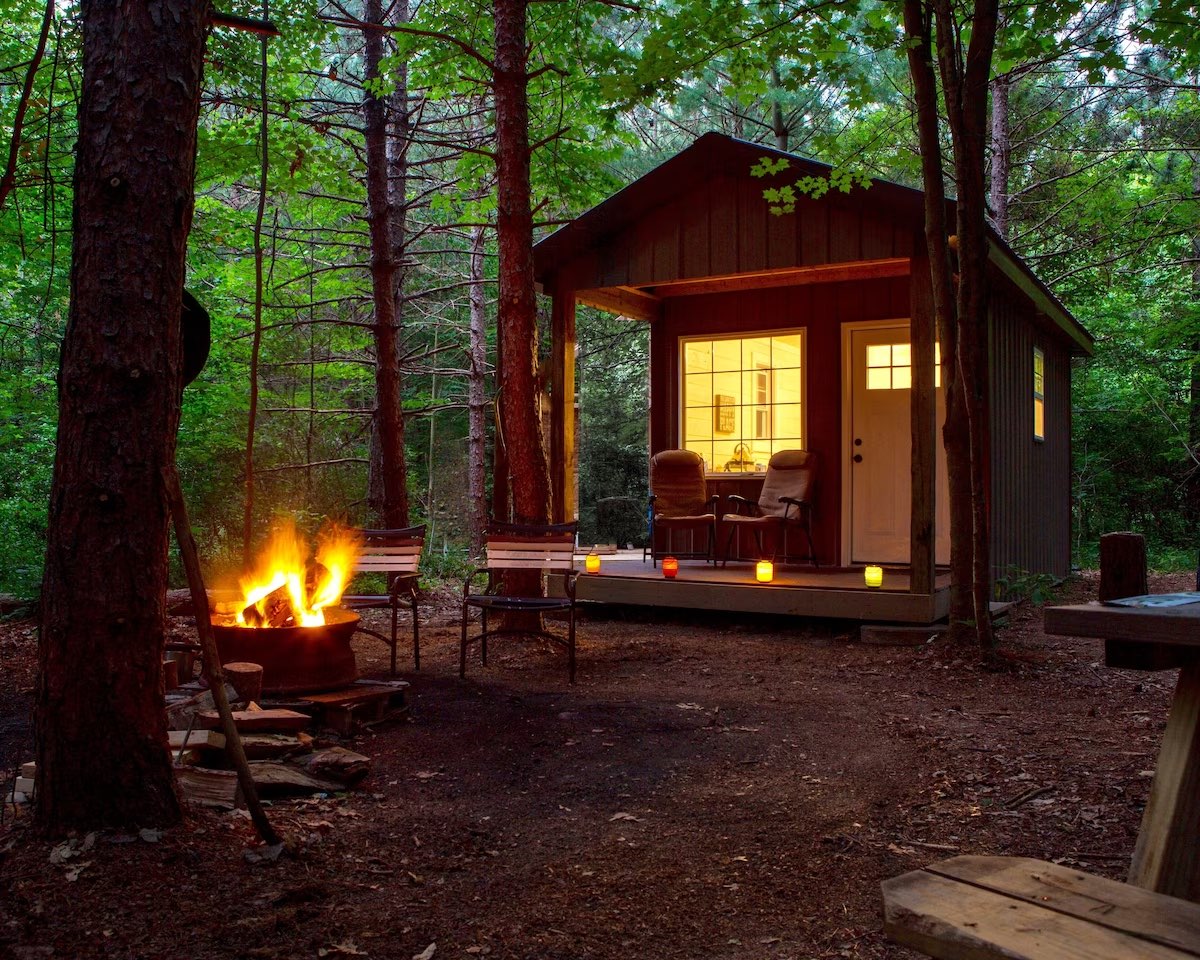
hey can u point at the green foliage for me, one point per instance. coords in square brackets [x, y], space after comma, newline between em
[1018, 584]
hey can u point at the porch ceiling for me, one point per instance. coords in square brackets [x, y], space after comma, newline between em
[644, 302]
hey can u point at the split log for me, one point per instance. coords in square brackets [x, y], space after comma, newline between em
[257, 721]
[179, 715]
[246, 679]
[337, 763]
[281, 779]
[273, 746]
[199, 739]
[212, 788]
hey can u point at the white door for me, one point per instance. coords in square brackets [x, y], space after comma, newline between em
[879, 449]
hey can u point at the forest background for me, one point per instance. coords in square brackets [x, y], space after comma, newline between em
[1094, 178]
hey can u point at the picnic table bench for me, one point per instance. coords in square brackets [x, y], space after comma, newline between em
[1008, 908]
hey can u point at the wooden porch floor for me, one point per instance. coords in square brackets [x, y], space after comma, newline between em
[797, 591]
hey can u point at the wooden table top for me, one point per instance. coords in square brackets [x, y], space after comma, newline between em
[1178, 626]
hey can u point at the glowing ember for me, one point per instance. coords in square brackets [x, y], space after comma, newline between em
[286, 588]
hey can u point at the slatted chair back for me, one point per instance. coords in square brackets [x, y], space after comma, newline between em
[678, 484]
[518, 546]
[792, 474]
[396, 551]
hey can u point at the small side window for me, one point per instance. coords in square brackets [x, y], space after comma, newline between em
[1039, 394]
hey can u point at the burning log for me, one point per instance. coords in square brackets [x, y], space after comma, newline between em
[273, 610]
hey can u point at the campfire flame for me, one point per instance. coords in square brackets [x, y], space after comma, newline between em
[286, 588]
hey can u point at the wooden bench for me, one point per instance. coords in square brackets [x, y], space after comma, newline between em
[1013, 908]
[396, 553]
[548, 548]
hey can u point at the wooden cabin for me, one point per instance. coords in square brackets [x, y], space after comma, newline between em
[776, 332]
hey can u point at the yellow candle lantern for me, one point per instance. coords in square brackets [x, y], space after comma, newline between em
[764, 572]
[592, 563]
[670, 567]
[873, 576]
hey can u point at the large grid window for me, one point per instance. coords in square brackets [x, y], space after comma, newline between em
[742, 399]
[1039, 394]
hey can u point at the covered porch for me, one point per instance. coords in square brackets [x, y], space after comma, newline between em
[806, 301]
[827, 592]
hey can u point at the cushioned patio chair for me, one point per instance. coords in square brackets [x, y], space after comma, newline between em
[680, 503]
[396, 553]
[785, 503]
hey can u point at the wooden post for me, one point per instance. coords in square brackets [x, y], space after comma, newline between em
[1123, 574]
[923, 399]
[212, 660]
[1164, 859]
[1122, 566]
[562, 403]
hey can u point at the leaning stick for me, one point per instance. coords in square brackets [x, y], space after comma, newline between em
[212, 659]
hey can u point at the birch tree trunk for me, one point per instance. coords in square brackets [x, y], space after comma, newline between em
[477, 394]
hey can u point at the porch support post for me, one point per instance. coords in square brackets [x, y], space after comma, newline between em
[922, 326]
[562, 403]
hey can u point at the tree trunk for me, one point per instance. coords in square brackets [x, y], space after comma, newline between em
[1001, 153]
[778, 124]
[1193, 467]
[516, 315]
[477, 395]
[516, 311]
[965, 87]
[389, 418]
[101, 728]
[256, 343]
[962, 316]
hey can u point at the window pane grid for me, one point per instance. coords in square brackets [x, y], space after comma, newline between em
[742, 399]
[889, 366]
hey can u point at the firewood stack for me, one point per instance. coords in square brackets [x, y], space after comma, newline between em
[284, 758]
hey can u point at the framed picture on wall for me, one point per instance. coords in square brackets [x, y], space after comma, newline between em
[724, 416]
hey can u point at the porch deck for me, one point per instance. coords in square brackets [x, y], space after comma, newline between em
[796, 591]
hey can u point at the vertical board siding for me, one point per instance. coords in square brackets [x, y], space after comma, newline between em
[1031, 480]
[727, 228]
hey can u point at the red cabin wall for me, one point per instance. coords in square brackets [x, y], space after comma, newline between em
[820, 310]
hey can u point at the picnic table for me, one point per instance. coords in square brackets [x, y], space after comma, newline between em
[1005, 908]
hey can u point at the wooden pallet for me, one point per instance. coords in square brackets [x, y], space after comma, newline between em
[364, 701]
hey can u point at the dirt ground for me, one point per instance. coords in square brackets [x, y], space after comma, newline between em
[713, 786]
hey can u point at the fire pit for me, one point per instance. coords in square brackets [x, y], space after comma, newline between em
[295, 659]
[286, 618]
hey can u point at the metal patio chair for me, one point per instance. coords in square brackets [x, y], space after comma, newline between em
[546, 548]
[397, 554]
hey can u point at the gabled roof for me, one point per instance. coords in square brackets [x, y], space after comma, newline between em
[714, 155]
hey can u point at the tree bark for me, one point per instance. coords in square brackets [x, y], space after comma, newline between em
[1001, 154]
[101, 728]
[516, 316]
[962, 314]
[389, 416]
[256, 343]
[965, 88]
[477, 395]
